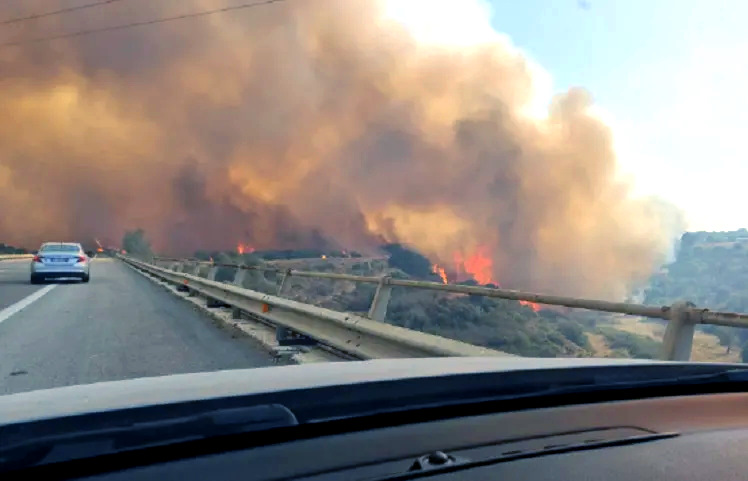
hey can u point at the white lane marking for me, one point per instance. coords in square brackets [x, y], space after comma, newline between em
[34, 296]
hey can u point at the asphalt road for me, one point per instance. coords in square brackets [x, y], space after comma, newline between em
[118, 326]
[14, 282]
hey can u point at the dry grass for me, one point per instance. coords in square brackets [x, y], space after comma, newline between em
[599, 345]
[706, 347]
[635, 326]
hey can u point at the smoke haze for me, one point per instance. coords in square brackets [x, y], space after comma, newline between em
[310, 123]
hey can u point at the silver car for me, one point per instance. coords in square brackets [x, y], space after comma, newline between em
[60, 260]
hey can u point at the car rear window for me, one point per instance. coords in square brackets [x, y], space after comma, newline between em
[60, 248]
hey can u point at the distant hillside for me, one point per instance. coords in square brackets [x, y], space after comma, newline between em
[710, 270]
[6, 249]
[501, 324]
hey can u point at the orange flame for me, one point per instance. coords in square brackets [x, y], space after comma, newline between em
[436, 269]
[532, 305]
[479, 265]
[244, 248]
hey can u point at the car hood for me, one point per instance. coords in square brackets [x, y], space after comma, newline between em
[115, 395]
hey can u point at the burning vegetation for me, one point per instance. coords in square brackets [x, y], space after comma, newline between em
[244, 248]
[441, 272]
[314, 125]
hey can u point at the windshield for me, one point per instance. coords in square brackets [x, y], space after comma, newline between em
[267, 183]
[59, 248]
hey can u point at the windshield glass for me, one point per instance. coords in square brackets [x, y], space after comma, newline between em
[264, 183]
[59, 248]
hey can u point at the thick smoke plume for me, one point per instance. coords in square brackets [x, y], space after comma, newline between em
[309, 122]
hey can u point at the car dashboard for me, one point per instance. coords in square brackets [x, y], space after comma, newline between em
[694, 437]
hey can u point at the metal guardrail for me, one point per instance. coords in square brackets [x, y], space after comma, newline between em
[682, 316]
[356, 336]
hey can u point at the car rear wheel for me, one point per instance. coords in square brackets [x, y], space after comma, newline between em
[85, 278]
[35, 279]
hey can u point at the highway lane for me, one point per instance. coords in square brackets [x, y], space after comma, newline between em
[118, 326]
[14, 282]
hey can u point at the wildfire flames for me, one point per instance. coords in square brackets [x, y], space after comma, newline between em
[478, 266]
[244, 249]
[440, 271]
[532, 305]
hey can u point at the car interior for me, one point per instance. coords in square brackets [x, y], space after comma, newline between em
[683, 431]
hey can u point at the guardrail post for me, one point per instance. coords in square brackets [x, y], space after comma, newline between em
[239, 277]
[212, 273]
[210, 301]
[236, 313]
[285, 277]
[378, 309]
[678, 339]
[195, 272]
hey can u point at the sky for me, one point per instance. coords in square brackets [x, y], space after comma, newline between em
[670, 77]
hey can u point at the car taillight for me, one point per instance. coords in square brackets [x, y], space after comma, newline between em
[81, 259]
[37, 259]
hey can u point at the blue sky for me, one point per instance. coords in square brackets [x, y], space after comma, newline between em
[673, 77]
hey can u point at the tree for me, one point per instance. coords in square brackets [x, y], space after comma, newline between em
[574, 332]
[135, 243]
[203, 255]
[6, 249]
[409, 261]
[359, 300]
